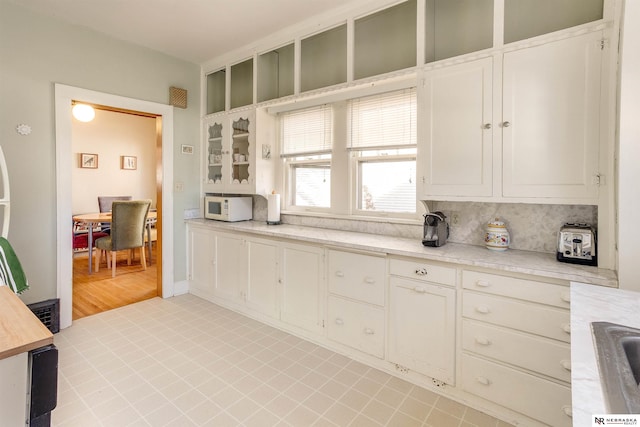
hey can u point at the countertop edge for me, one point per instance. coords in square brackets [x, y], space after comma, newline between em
[510, 261]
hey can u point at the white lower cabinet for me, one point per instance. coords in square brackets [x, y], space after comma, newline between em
[302, 278]
[230, 267]
[357, 325]
[422, 319]
[262, 281]
[201, 253]
[515, 345]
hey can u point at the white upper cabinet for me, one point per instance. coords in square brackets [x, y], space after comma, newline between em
[551, 119]
[455, 110]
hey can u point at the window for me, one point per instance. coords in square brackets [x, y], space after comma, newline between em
[383, 142]
[306, 147]
[352, 157]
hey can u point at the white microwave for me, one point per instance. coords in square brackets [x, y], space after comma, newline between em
[228, 208]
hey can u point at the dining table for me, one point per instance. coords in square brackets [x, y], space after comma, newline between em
[93, 220]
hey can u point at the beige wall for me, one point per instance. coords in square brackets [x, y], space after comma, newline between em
[37, 51]
[112, 135]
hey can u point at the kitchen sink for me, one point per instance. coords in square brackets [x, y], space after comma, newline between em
[618, 354]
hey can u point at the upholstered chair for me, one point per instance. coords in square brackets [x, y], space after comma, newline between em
[128, 221]
[104, 204]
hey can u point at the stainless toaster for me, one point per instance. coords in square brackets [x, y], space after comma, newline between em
[577, 244]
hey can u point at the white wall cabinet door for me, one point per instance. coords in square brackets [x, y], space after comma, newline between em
[230, 266]
[455, 149]
[261, 293]
[302, 275]
[422, 328]
[201, 260]
[551, 119]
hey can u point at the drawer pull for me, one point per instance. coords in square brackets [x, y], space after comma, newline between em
[421, 271]
[567, 411]
[339, 273]
[369, 280]
[567, 328]
[483, 309]
[483, 283]
[566, 364]
[483, 380]
[419, 289]
[339, 321]
[566, 297]
[369, 331]
[483, 341]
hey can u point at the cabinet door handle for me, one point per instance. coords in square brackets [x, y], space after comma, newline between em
[369, 331]
[506, 124]
[566, 364]
[483, 309]
[487, 126]
[567, 328]
[369, 280]
[421, 271]
[567, 411]
[483, 380]
[483, 340]
[339, 273]
[483, 283]
[339, 321]
[566, 297]
[419, 289]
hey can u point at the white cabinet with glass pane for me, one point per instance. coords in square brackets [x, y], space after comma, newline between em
[233, 163]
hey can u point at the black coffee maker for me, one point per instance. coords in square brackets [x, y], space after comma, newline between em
[436, 229]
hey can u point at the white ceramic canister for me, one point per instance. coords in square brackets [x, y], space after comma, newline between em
[497, 236]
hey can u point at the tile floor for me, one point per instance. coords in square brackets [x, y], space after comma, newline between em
[186, 362]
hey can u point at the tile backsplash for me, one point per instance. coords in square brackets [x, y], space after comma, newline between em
[532, 227]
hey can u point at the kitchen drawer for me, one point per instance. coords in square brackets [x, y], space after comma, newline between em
[419, 270]
[531, 352]
[538, 319]
[530, 290]
[357, 276]
[357, 325]
[543, 400]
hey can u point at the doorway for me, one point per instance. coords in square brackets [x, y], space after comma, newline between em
[64, 96]
[109, 138]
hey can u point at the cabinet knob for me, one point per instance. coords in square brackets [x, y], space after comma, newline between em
[483, 283]
[483, 340]
[506, 124]
[419, 289]
[369, 331]
[482, 309]
[339, 273]
[566, 364]
[487, 126]
[483, 380]
[421, 271]
[339, 321]
[567, 411]
[369, 280]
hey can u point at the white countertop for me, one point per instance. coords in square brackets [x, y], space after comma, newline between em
[526, 262]
[594, 304]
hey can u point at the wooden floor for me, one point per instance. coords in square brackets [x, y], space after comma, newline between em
[98, 292]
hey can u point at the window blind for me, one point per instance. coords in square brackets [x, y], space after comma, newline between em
[383, 121]
[308, 131]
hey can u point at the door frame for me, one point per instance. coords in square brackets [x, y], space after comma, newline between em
[64, 95]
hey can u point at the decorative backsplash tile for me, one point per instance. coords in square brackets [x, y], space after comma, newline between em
[532, 227]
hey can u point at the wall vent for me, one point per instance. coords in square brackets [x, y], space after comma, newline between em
[48, 312]
[178, 97]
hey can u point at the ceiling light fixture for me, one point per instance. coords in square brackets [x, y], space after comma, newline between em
[83, 112]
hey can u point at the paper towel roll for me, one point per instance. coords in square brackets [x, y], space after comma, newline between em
[273, 209]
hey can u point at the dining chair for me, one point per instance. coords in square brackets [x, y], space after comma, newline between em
[104, 204]
[81, 236]
[128, 222]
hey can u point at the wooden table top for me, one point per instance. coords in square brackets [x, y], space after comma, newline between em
[20, 329]
[105, 216]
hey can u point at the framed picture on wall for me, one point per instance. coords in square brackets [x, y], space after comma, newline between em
[129, 162]
[89, 161]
